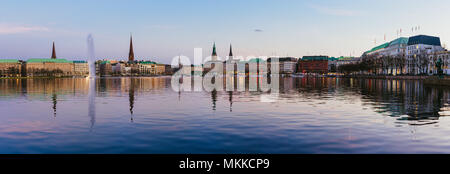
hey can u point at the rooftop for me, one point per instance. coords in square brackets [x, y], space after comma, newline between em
[423, 39]
[314, 58]
[9, 61]
[43, 60]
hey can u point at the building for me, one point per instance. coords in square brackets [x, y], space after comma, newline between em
[211, 64]
[332, 64]
[444, 56]
[418, 51]
[313, 64]
[147, 68]
[105, 68]
[131, 52]
[10, 68]
[255, 67]
[53, 51]
[80, 68]
[49, 67]
[160, 69]
[231, 65]
[169, 70]
[287, 65]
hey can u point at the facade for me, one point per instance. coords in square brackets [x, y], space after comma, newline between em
[160, 69]
[10, 68]
[332, 64]
[255, 67]
[286, 65]
[313, 64]
[444, 56]
[231, 65]
[105, 68]
[209, 65]
[49, 67]
[80, 68]
[418, 53]
[147, 68]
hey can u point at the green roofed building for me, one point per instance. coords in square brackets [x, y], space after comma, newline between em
[49, 67]
[313, 64]
[10, 68]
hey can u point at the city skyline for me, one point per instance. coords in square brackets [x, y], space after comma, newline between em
[163, 30]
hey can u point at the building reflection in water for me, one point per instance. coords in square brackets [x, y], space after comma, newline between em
[55, 101]
[214, 99]
[410, 102]
[131, 96]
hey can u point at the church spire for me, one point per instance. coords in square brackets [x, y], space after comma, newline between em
[53, 51]
[131, 53]
[231, 51]
[214, 53]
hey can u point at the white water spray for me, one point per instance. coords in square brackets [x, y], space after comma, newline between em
[91, 56]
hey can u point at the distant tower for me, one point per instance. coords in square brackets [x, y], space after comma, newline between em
[53, 51]
[230, 56]
[214, 53]
[131, 54]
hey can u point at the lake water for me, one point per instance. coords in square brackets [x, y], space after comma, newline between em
[145, 115]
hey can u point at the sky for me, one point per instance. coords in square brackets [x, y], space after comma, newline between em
[163, 29]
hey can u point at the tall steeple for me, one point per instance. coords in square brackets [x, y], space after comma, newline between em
[131, 53]
[231, 51]
[214, 53]
[53, 51]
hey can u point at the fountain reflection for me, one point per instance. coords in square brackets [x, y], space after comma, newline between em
[91, 101]
[408, 101]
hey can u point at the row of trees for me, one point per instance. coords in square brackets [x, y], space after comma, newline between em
[375, 64]
[10, 71]
[47, 73]
[388, 65]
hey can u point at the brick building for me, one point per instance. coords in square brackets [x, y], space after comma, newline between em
[313, 64]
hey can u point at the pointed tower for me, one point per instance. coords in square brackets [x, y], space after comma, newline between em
[53, 51]
[214, 53]
[131, 53]
[230, 56]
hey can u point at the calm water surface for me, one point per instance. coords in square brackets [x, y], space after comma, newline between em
[144, 115]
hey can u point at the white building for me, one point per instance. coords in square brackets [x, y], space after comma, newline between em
[418, 51]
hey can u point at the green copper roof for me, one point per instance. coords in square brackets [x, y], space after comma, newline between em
[214, 53]
[105, 62]
[333, 58]
[9, 61]
[399, 41]
[255, 60]
[316, 58]
[342, 58]
[48, 61]
[148, 62]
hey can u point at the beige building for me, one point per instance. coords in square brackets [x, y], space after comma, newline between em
[49, 67]
[80, 68]
[10, 68]
[160, 69]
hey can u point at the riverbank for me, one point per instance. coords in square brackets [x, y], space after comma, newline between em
[41, 77]
[436, 81]
[387, 77]
[49, 77]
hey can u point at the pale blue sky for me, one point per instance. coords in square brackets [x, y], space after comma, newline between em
[164, 29]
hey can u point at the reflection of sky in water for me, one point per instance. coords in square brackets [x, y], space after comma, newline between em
[144, 115]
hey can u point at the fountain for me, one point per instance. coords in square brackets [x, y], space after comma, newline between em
[92, 80]
[91, 56]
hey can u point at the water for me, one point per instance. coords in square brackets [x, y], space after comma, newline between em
[144, 115]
